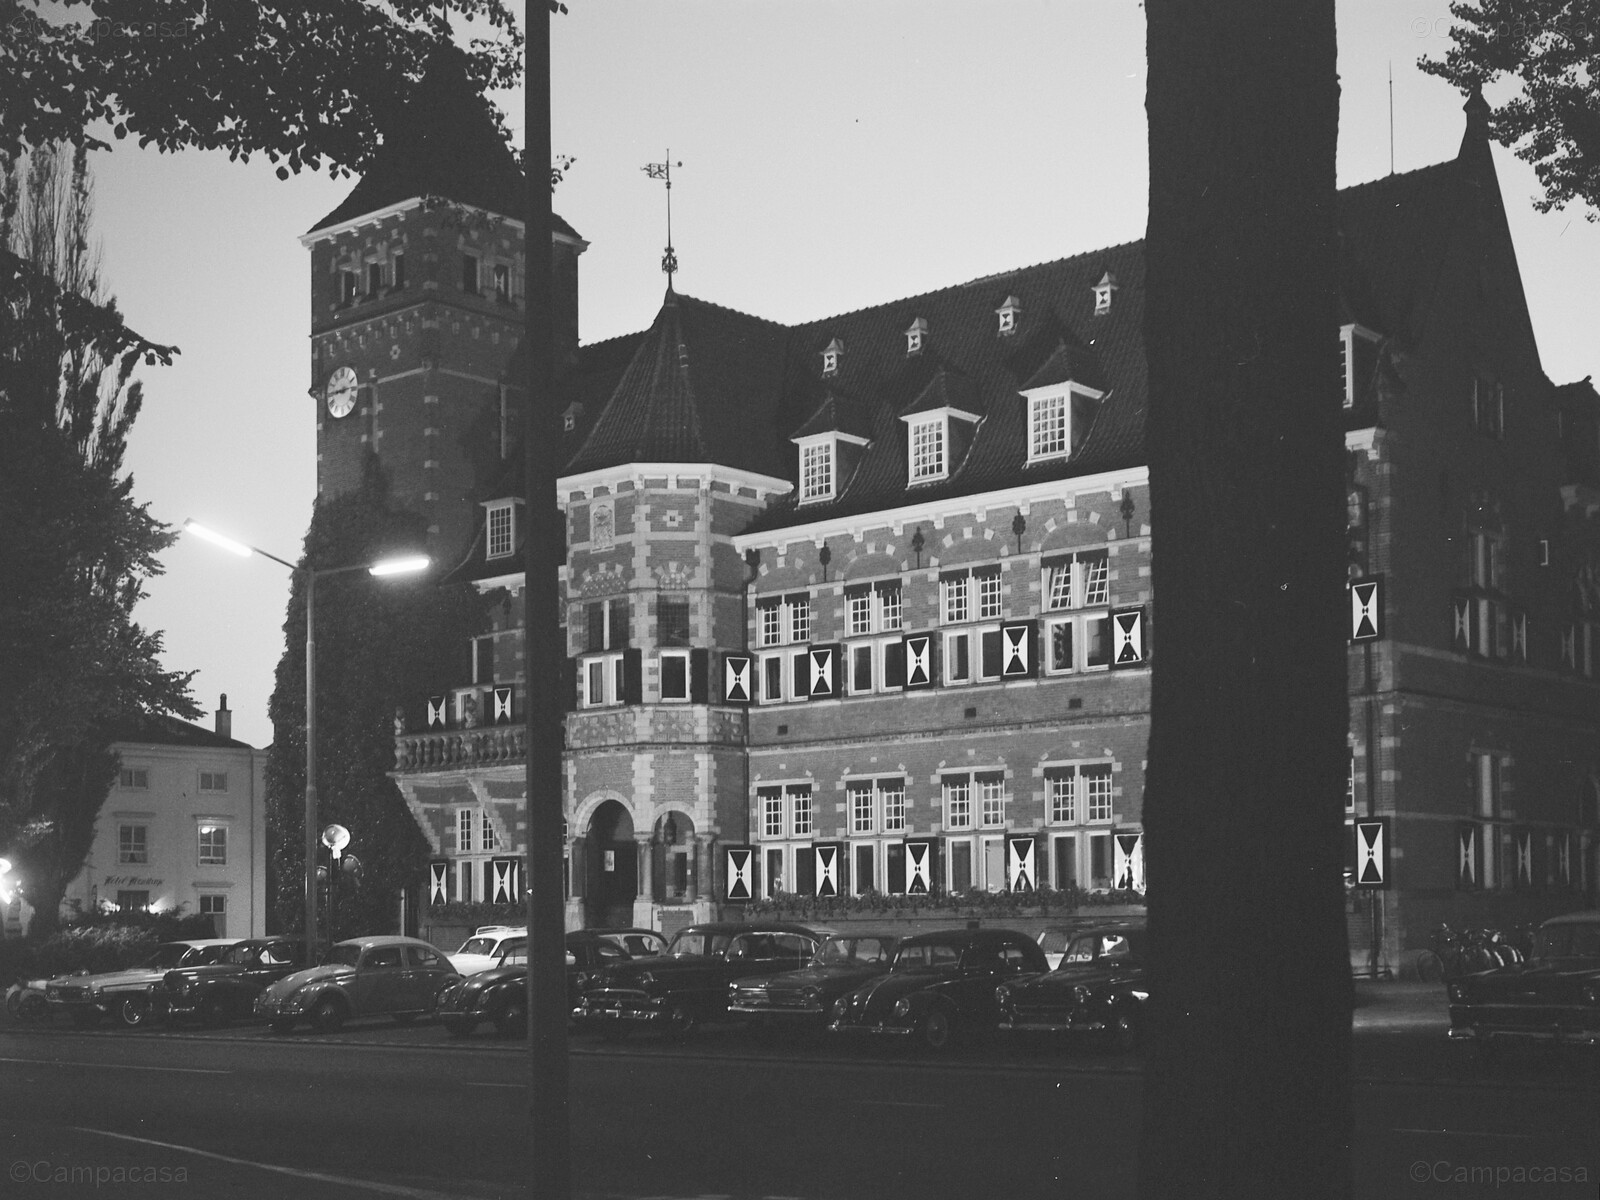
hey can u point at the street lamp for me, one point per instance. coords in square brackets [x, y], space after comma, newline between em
[405, 565]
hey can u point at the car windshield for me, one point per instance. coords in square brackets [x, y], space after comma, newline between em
[1570, 941]
[345, 954]
[698, 944]
[477, 945]
[921, 955]
[242, 956]
[168, 955]
[855, 951]
[1081, 951]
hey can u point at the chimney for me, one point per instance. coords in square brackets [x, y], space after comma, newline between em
[224, 718]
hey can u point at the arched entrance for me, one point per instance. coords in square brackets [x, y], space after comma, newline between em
[611, 869]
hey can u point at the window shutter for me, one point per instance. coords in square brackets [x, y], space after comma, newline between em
[632, 676]
[894, 665]
[990, 644]
[619, 624]
[801, 679]
[699, 676]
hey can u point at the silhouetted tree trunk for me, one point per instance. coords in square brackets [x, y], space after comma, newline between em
[1246, 1086]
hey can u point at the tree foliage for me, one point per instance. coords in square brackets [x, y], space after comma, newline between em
[382, 644]
[1550, 51]
[77, 547]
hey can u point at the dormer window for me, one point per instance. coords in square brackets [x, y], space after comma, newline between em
[1008, 313]
[817, 471]
[1103, 292]
[928, 446]
[500, 529]
[1359, 347]
[830, 357]
[1058, 419]
[915, 336]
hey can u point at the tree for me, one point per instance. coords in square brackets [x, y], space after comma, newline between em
[77, 548]
[380, 646]
[1551, 49]
[1247, 1081]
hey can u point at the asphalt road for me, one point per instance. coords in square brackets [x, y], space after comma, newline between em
[379, 1110]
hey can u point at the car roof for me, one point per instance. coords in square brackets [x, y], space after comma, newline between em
[385, 939]
[881, 934]
[1589, 917]
[1108, 927]
[203, 942]
[735, 927]
[950, 937]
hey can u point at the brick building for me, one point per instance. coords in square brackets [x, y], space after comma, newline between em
[864, 603]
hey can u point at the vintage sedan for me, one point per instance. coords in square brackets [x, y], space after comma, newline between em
[942, 986]
[486, 947]
[1554, 996]
[499, 995]
[125, 995]
[1101, 988]
[226, 990]
[803, 998]
[385, 975]
[689, 983]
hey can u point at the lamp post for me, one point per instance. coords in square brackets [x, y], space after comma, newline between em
[406, 565]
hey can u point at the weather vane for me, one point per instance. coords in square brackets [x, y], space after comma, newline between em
[663, 170]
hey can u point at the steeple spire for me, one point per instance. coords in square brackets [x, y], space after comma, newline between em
[663, 170]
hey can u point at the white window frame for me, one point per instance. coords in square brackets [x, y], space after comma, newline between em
[661, 668]
[1080, 623]
[211, 858]
[774, 817]
[218, 902]
[878, 650]
[955, 599]
[610, 675]
[1077, 840]
[980, 866]
[1084, 803]
[790, 688]
[133, 850]
[877, 868]
[860, 606]
[799, 620]
[1096, 812]
[955, 797]
[465, 842]
[793, 796]
[948, 866]
[991, 799]
[1039, 401]
[1347, 338]
[988, 603]
[500, 530]
[891, 812]
[963, 636]
[934, 454]
[214, 783]
[818, 469]
[134, 778]
[861, 801]
[890, 617]
[769, 623]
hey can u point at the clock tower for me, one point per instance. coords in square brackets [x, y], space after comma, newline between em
[417, 305]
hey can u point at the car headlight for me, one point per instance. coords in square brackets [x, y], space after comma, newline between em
[1002, 996]
[841, 1006]
[902, 1006]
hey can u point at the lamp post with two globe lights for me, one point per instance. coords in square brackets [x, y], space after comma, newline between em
[406, 565]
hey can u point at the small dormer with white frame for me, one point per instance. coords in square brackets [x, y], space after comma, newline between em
[1062, 397]
[1358, 352]
[940, 426]
[830, 447]
[502, 528]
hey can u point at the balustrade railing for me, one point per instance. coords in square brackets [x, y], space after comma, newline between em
[442, 749]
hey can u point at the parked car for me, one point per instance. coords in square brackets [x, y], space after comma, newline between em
[942, 986]
[1053, 939]
[384, 975]
[689, 983]
[484, 948]
[25, 1000]
[1552, 996]
[499, 995]
[226, 990]
[803, 998]
[125, 995]
[1101, 987]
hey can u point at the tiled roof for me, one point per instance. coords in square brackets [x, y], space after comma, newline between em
[446, 143]
[170, 731]
[708, 384]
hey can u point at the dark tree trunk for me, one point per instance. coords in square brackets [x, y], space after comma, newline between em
[1247, 1082]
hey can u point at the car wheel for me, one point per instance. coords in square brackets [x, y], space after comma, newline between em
[327, 1015]
[936, 1030]
[681, 1021]
[34, 1008]
[14, 1004]
[1126, 1029]
[514, 1021]
[133, 1011]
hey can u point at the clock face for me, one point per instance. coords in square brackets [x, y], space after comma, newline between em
[341, 391]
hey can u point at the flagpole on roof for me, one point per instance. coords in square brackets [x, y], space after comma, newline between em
[663, 171]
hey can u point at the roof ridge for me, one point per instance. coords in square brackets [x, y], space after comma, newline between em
[1396, 175]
